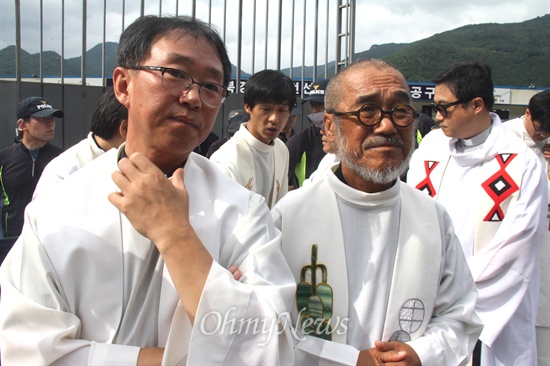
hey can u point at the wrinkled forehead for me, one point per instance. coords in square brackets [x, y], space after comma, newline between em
[378, 85]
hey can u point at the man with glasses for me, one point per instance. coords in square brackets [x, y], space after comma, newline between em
[380, 274]
[495, 191]
[534, 128]
[124, 262]
[21, 164]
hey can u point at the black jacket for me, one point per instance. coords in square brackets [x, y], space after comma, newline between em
[307, 145]
[19, 175]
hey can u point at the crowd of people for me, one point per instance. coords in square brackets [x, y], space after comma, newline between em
[375, 235]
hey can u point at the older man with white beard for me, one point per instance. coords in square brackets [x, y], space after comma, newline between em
[380, 274]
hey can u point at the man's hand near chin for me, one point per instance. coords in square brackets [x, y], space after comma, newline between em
[391, 353]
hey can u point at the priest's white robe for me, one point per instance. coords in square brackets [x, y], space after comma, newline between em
[257, 166]
[67, 163]
[543, 315]
[496, 196]
[81, 286]
[324, 167]
[383, 266]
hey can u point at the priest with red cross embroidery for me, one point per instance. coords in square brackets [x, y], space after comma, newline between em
[495, 191]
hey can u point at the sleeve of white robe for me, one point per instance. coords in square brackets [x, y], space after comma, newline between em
[221, 159]
[243, 322]
[31, 294]
[454, 328]
[504, 269]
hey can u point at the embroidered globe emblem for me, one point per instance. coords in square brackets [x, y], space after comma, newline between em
[411, 315]
[400, 336]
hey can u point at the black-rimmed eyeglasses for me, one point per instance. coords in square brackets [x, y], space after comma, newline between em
[442, 108]
[371, 114]
[178, 82]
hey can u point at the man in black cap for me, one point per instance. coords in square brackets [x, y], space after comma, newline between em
[22, 163]
[316, 97]
[306, 147]
[288, 131]
[235, 118]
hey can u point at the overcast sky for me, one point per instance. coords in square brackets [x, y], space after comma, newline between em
[378, 22]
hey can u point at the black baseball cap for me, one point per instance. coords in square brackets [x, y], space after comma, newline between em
[317, 91]
[236, 118]
[37, 107]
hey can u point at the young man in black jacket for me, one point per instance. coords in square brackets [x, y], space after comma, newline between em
[22, 163]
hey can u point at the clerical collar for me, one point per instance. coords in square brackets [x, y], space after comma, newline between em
[475, 142]
[122, 154]
[339, 175]
[99, 147]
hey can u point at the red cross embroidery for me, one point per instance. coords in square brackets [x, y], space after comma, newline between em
[499, 187]
[426, 184]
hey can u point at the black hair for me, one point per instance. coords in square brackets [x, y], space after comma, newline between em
[539, 107]
[136, 41]
[270, 86]
[469, 80]
[108, 115]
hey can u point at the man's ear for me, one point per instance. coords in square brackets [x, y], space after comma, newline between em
[247, 108]
[21, 125]
[123, 129]
[121, 85]
[478, 104]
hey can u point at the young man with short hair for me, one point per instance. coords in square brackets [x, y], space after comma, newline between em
[254, 156]
[495, 191]
[21, 164]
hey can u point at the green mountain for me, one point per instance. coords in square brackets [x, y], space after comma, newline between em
[518, 53]
[94, 61]
[30, 64]
[376, 51]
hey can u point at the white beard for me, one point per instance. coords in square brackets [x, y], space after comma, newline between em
[385, 175]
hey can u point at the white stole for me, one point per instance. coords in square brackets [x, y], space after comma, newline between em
[314, 219]
[246, 174]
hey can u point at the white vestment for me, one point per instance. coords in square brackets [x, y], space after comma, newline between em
[82, 286]
[67, 163]
[371, 267]
[496, 195]
[257, 166]
[324, 167]
[543, 316]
